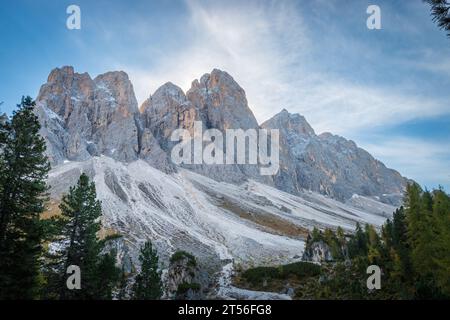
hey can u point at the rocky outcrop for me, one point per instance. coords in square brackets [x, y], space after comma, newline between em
[83, 117]
[92, 117]
[318, 252]
[183, 277]
[167, 110]
[330, 164]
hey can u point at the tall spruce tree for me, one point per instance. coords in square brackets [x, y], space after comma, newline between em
[400, 243]
[23, 171]
[357, 245]
[148, 284]
[81, 213]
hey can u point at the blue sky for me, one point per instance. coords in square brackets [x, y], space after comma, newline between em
[388, 90]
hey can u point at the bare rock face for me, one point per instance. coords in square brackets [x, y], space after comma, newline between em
[81, 118]
[151, 151]
[55, 134]
[114, 129]
[318, 252]
[222, 102]
[330, 164]
[167, 110]
[218, 102]
[223, 105]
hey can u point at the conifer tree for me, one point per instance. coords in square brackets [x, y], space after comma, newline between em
[148, 284]
[23, 170]
[399, 240]
[107, 276]
[81, 213]
[374, 245]
[357, 246]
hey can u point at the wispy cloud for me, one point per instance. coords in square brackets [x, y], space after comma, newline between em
[269, 50]
[347, 108]
[256, 42]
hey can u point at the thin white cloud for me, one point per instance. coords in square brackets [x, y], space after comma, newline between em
[266, 47]
[346, 108]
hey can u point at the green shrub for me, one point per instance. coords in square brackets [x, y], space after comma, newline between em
[300, 269]
[180, 255]
[259, 274]
[185, 287]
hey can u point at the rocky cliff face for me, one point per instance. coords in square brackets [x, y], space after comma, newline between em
[217, 101]
[166, 110]
[330, 164]
[83, 117]
[222, 102]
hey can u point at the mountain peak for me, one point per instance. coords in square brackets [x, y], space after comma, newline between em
[66, 72]
[222, 100]
[290, 121]
[217, 78]
[113, 76]
[169, 89]
[167, 95]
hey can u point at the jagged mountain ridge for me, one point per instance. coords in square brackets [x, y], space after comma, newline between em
[84, 117]
[330, 164]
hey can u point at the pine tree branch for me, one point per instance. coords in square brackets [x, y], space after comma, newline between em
[440, 11]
